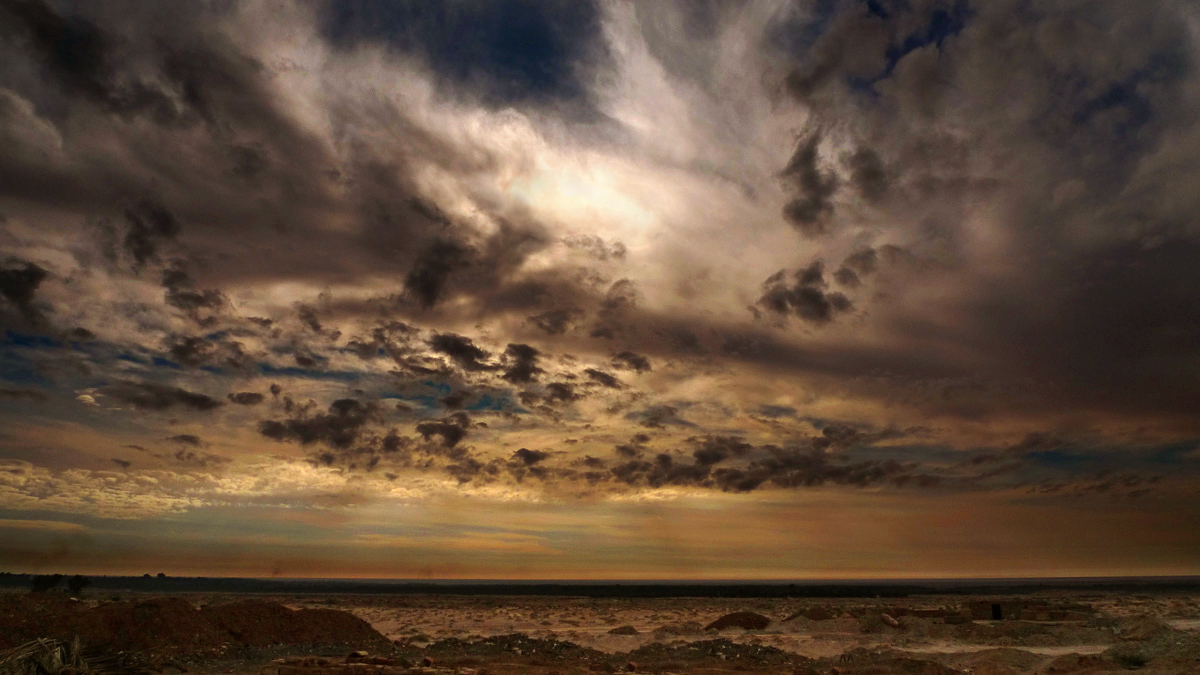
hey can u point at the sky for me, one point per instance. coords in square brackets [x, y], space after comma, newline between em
[549, 289]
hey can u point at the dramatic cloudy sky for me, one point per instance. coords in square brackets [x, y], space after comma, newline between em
[527, 288]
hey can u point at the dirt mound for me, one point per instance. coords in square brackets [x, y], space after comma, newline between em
[1165, 647]
[256, 624]
[744, 620]
[1141, 628]
[174, 626]
[124, 626]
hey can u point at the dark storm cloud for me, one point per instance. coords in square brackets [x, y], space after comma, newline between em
[451, 430]
[249, 170]
[338, 428]
[868, 174]
[620, 299]
[457, 399]
[511, 50]
[658, 416]
[187, 439]
[81, 57]
[308, 318]
[596, 247]
[433, 268]
[246, 398]
[200, 305]
[857, 265]
[1092, 105]
[775, 467]
[149, 225]
[462, 351]
[19, 281]
[192, 351]
[22, 394]
[201, 460]
[1128, 318]
[715, 449]
[529, 457]
[825, 60]
[152, 396]
[602, 378]
[556, 321]
[806, 297]
[809, 210]
[521, 364]
[631, 361]
[847, 277]
[561, 392]
[195, 352]
[1055, 139]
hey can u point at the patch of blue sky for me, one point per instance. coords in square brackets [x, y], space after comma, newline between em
[942, 25]
[490, 403]
[423, 401]
[30, 341]
[17, 369]
[514, 50]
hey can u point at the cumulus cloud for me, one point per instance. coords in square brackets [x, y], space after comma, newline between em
[806, 296]
[521, 363]
[153, 396]
[450, 430]
[631, 361]
[246, 398]
[809, 210]
[340, 427]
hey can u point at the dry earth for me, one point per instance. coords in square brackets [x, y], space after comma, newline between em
[210, 633]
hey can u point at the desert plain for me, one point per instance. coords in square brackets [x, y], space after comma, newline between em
[1052, 632]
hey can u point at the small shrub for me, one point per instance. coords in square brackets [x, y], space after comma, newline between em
[77, 583]
[44, 582]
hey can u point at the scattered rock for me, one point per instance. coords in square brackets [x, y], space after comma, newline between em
[623, 630]
[889, 620]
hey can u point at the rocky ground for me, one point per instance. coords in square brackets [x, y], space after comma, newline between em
[313, 635]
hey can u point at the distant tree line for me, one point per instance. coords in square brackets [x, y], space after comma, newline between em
[40, 583]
